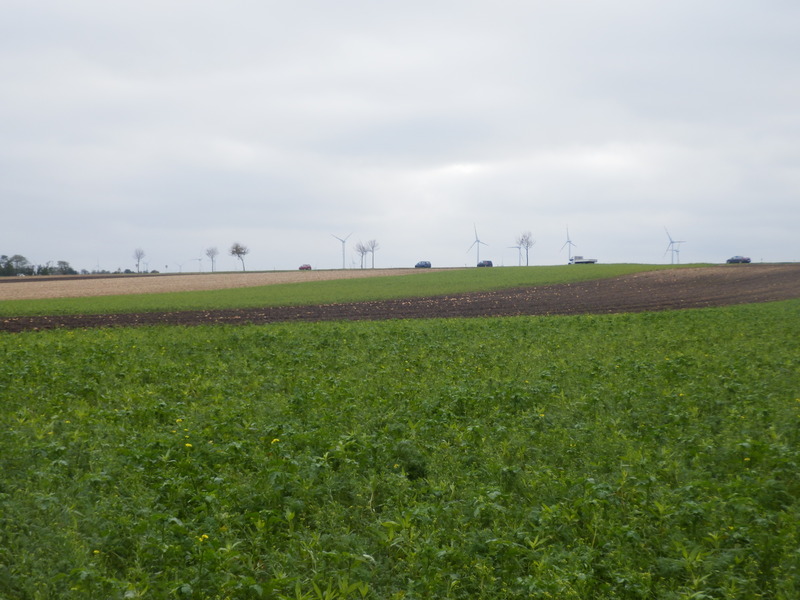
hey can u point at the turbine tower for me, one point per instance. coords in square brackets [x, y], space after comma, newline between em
[343, 240]
[568, 245]
[477, 243]
[674, 247]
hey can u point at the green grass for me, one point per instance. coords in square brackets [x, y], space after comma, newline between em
[617, 456]
[423, 283]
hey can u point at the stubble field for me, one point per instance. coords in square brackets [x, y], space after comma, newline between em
[34, 288]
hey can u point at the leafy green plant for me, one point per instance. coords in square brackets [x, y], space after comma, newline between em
[616, 456]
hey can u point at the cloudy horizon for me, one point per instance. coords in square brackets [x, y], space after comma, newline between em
[175, 127]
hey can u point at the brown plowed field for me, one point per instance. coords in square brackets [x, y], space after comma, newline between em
[650, 291]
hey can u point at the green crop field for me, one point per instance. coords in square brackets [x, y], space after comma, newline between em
[644, 456]
[424, 283]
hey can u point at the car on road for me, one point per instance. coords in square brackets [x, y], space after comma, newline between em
[485, 263]
[423, 264]
[738, 259]
[305, 267]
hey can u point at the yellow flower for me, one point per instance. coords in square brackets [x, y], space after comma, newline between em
[275, 440]
[188, 445]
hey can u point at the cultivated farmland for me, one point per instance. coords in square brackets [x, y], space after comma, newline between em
[649, 455]
[626, 288]
[78, 286]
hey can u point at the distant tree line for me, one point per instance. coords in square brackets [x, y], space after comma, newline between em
[19, 265]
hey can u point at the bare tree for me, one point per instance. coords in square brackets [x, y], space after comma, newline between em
[373, 245]
[526, 241]
[212, 253]
[239, 251]
[138, 254]
[362, 251]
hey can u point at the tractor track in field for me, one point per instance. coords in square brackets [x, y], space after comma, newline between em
[670, 289]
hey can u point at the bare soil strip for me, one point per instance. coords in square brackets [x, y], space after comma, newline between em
[649, 291]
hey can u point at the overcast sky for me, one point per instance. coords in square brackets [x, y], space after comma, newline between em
[175, 126]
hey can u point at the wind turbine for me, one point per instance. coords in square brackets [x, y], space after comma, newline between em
[519, 254]
[477, 243]
[674, 247]
[568, 244]
[343, 240]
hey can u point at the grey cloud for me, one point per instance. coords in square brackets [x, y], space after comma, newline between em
[189, 124]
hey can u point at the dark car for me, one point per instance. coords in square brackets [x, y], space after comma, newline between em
[485, 263]
[423, 264]
[305, 267]
[738, 259]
